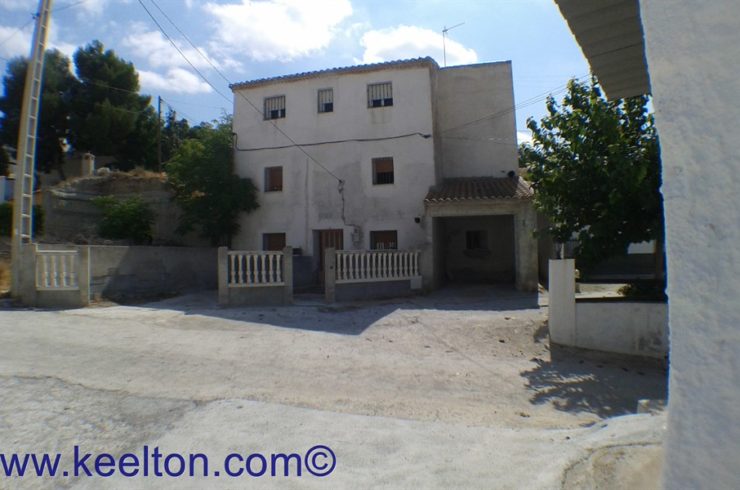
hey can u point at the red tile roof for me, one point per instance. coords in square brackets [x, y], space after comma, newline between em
[409, 63]
[479, 188]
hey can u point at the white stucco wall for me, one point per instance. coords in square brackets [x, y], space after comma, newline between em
[692, 52]
[624, 327]
[482, 93]
[310, 200]
[636, 328]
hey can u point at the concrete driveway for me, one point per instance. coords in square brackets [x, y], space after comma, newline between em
[456, 389]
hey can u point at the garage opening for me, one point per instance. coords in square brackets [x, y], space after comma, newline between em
[476, 249]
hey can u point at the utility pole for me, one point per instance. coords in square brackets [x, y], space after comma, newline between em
[159, 133]
[445, 30]
[26, 151]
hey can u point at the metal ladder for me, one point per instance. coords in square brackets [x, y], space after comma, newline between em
[26, 151]
[26, 157]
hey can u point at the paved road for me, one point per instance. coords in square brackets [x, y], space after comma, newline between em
[452, 390]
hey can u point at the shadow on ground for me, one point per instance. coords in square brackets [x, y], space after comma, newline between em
[351, 318]
[576, 380]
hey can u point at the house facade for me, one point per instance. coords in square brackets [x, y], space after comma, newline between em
[398, 155]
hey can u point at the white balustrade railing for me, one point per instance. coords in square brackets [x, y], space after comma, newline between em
[376, 265]
[57, 269]
[251, 269]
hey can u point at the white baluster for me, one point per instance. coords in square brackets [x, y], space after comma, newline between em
[279, 272]
[63, 277]
[248, 269]
[262, 271]
[55, 271]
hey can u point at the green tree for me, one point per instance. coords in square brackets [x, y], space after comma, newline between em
[4, 161]
[108, 115]
[210, 195]
[595, 168]
[125, 219]
[174, 133]
[53, 127]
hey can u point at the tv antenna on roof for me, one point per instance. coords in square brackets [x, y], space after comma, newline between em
[445, 30]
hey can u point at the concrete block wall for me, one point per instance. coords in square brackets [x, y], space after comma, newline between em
[131, 272]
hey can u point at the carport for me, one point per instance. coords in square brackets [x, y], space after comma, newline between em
[484, 231]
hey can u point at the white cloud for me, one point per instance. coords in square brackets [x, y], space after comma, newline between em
[412, 42]
[17, 43]
[176, 80]
[277, 29]
[94, 8]
[158, 51]
[523, 137]
[29, 5]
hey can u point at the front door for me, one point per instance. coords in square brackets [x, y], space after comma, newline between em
[328, 239]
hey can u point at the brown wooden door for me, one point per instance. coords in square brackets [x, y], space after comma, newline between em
[328, 239]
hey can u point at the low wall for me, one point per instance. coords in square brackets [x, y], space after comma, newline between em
[121, 272]
[373, 290]
[624, 327]
[238, 287]
[257, 296]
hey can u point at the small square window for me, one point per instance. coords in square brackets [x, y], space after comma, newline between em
[274, 107]
[326, 100]
[380, 94]
[476, 240]
[273, 242]
[384, 240]
[382, 170]
[273, 179]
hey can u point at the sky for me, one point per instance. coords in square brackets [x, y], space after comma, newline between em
[250, 39]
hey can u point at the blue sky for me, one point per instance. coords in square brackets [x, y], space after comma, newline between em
[249, 39]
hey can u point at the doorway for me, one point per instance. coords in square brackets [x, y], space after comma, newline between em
[332, 238]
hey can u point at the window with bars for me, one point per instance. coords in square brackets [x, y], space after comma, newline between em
[274, 107]
[326, 100]
[384, 240]
[273, 179]
[380, 94]
[382, 170]
[475, 240]
[273, 242]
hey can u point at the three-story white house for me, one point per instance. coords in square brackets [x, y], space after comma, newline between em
[388, 156]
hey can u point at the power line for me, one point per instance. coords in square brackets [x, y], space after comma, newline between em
[174, 45]
[220, 73]
[17, 30]
[525, 103]
[69, 6]
[350, 140]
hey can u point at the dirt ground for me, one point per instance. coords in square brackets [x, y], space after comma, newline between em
[458, 360]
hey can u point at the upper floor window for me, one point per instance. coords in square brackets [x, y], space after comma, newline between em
[275, 107]
[383, 170]
[384, 240]
[273, 179]
[380, 94]
[326, 100]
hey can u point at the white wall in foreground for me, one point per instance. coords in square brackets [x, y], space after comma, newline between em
[693, 54]
[623, 327]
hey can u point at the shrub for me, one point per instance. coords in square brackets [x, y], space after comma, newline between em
[127, 219]
[6, 219]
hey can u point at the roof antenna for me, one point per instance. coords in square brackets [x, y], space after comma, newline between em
[446, 29]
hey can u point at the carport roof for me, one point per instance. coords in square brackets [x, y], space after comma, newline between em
[479, 188]
[610, 35]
